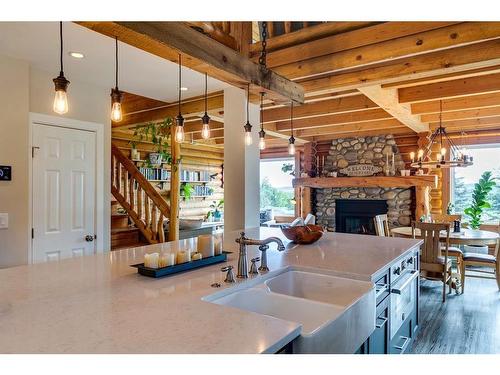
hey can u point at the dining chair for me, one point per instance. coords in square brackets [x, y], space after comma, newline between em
[434, 261]
[453, 251]
[482, 260]
[382, 225]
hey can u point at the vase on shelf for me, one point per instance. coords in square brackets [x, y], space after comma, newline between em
[135, 154]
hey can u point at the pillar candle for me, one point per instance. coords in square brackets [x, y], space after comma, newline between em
[183, 256]
[206, 245]
[196, 256]
[218, 238]
[167, 260]
[151, 260]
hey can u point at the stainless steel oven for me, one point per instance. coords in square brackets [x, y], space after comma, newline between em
[403, 293]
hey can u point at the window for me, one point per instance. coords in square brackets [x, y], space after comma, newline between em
[486, 158]
[276, 191]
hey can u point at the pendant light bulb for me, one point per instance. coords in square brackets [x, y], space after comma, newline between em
[262, 143]
[179, 134]
[205, 131]
[248, 138]
[291, 148]
[116, 112]
[60, 102]
[60, 105]
[443, 151]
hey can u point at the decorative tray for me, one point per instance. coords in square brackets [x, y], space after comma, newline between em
[182, 267]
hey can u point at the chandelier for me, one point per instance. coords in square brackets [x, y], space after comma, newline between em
[458, 156]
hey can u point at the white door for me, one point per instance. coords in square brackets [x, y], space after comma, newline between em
[63, 192]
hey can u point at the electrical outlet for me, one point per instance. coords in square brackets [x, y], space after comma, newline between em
[4, 221]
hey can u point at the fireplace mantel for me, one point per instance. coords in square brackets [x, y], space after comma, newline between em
[371, 181]
[422, 185]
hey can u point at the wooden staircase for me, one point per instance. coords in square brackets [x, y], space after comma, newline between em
[143, 204]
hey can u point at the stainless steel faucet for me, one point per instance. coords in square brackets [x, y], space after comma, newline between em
[242, 259]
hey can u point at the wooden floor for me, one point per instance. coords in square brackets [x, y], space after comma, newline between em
[465, 324]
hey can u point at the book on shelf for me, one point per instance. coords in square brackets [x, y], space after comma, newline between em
[155, 173]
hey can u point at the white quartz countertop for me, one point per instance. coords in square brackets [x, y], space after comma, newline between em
[99, 304]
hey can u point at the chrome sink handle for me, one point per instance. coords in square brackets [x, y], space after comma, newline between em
[230, 274]
[263, 264]
[253, 266]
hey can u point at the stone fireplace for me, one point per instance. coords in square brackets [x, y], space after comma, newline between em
[399, 202]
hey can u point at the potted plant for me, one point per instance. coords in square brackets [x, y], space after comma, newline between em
[158, 133]
[215, 213]
[479, 202]
[134, 153]
[187, 190]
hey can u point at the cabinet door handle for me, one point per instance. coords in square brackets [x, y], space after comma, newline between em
[405, 344]
[383, 322]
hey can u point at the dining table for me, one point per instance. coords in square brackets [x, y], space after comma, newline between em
[466, 236]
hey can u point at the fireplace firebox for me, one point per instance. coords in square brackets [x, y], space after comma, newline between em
[356, 215]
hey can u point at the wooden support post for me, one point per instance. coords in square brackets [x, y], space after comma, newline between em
[297, 190]
[422, 206]
[306, 205]
[175, 187]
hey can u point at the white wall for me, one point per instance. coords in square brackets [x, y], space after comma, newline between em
[24, 90]
[241, 163]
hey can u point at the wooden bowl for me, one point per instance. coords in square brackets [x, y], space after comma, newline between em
[303, 235]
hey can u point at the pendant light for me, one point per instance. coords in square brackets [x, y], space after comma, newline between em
[61, 83]
[116, 95]
[248, 126]
[291, 141]
[262, 133]
[205, 129]
[179, 129]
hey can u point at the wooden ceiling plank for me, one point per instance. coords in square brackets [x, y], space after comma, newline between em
[349, 40]
[324, 107]
[167, 39]
[455, 104]
[469, 57]
[477, 123]
[364, 133]
[387, 99]
[335, 119]
[425, 42]
[450, 89]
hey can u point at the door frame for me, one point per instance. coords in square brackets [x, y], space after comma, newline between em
[100, 195]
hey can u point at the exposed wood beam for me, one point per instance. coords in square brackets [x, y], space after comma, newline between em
[203, 54]
[387, 99]
[134, 103]
[387, 125]
[475, 124]
[444, 77]
[349, 40]
[335, 119]
[394, 131]
[462, 115]
[459, 59]
[271, 130]
[339, 105]
[307, 34]
[450, 89]
[468, 102]
[425, 42]
[188, 106]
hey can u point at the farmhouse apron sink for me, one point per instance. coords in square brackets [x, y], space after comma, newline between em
[337, 314]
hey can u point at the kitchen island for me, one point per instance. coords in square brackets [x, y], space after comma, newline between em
[99, 304]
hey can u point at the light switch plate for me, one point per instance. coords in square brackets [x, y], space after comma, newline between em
[4, 221]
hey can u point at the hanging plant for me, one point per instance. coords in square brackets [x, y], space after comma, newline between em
[158, 133]
[480, 199]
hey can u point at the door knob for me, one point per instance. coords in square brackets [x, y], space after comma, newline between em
[89, 238]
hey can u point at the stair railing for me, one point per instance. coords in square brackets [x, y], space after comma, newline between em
[145, 206]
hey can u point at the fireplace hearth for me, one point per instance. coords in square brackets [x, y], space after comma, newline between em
[356, 215]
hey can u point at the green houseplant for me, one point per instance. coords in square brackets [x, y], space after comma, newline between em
[187, 190]
[480, 199]
[158, 133]
[215, 212]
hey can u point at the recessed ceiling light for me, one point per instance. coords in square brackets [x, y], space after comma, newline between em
[77, 55]
[184, 88]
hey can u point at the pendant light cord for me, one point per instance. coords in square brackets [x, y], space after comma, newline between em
[248, 101]
[116, 62]
[61, 46]
[261, 111]
[291, 117]
[206, 92]
[180, 82]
